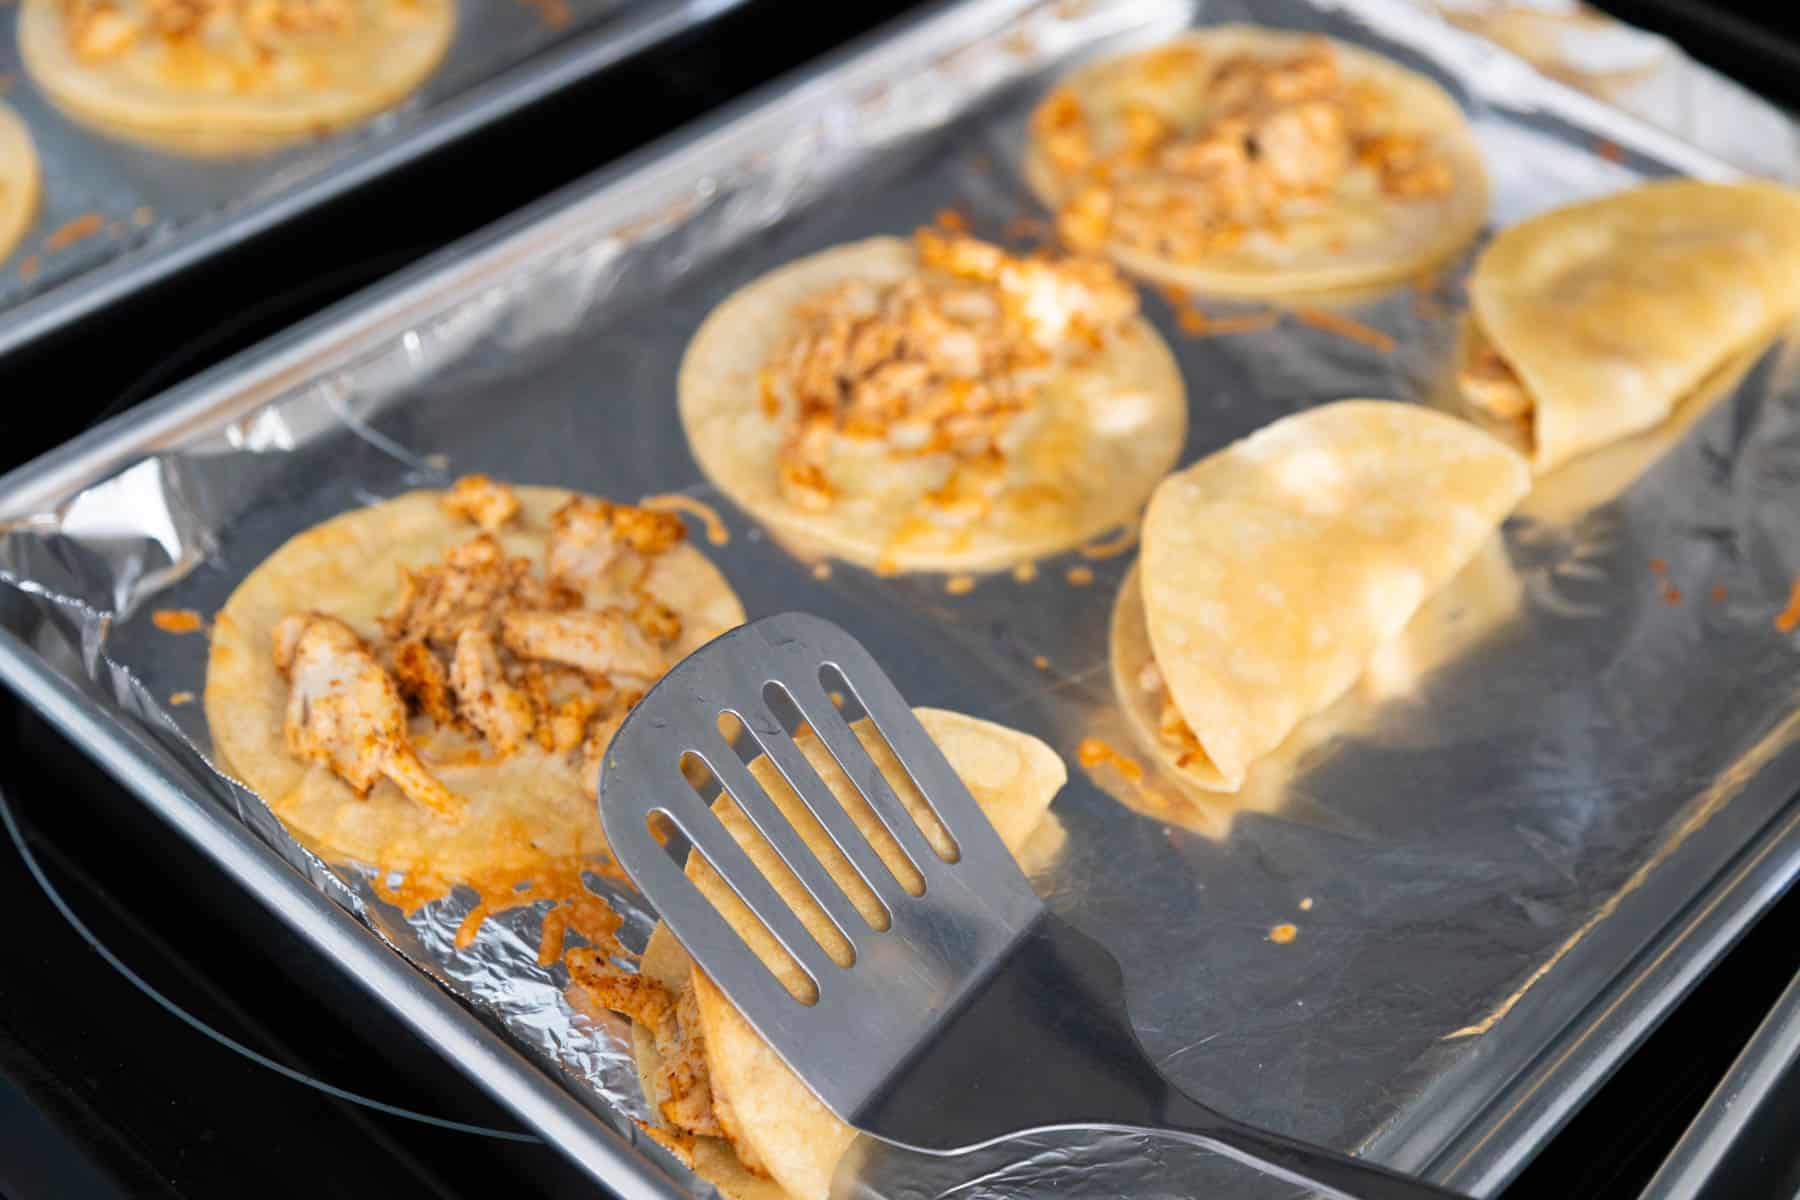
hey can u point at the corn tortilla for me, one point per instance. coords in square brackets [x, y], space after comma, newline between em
[522, 808]
[1109, 430]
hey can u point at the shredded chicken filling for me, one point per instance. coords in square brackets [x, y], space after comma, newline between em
[1172, 728]
[1491, 384]
[102, 29]
[947, 362]
[514, 652]
[1277, 129]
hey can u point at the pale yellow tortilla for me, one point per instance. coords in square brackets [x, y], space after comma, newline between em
[1350, 238]
[1483, 597]
[1109, 431]
[521, 809]
[1612, 310]
[1274, 569]
[181, 98]
[1013, 776]
[18, 180]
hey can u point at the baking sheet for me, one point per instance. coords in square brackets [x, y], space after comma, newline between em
[1643, 73]
[159, 211]
[1513, 862]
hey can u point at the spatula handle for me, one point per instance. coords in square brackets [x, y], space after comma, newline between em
[1326, 1171]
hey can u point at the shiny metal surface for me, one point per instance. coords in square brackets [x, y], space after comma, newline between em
[870, 1018]
[1735, 1144]
[1514, 859]
[163, 212]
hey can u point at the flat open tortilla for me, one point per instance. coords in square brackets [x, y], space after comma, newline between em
[1273, 570]
[1013, 776]
[1348, 238]
[521, 809]
[1610, 311]
[181, 94]
[1110, 430]
[18, 180]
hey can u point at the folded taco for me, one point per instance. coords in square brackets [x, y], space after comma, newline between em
[1274, 571]
[1591, 322]
[1251, 161]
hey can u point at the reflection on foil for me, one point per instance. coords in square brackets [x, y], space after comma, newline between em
[1550, 747]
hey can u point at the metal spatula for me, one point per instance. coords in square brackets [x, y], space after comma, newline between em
[977, 1014]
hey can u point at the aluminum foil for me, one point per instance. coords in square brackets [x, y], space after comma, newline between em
[1642, 73]
[146, 197]
[1477, 851]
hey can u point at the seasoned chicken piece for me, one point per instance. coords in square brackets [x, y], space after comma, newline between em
[587, 536]
[1406, 165]
[1063, 127]
[598, 643]
[645, 530]
[502, 712]
[424, 681]
[1491, 385]
[1053, 298]
[1305, 147]
[479, 499]
[345, 713]
[101, 32]
[600, 736]
[674, 1026]
[658, 621]
[474, 584]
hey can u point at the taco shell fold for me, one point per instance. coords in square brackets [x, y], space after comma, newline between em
[1273, 570]
[1610, 311]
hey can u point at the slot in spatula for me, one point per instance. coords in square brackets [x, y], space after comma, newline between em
[976, 1014]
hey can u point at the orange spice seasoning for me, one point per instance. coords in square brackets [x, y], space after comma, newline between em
[1718, 594]
[1659, 567]
[180, 698]
[1344, 327]
[1040, 662]
[959, 585]
[84, 226]
[177, 620]
[1789, 617]
[1284, 933]
[716, 532]
[1671, 595]
[1079, 576]
[1092, 752]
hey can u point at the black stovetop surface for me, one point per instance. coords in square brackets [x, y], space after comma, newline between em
[106, 1090]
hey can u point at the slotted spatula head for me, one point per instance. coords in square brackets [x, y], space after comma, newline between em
[939, 946]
